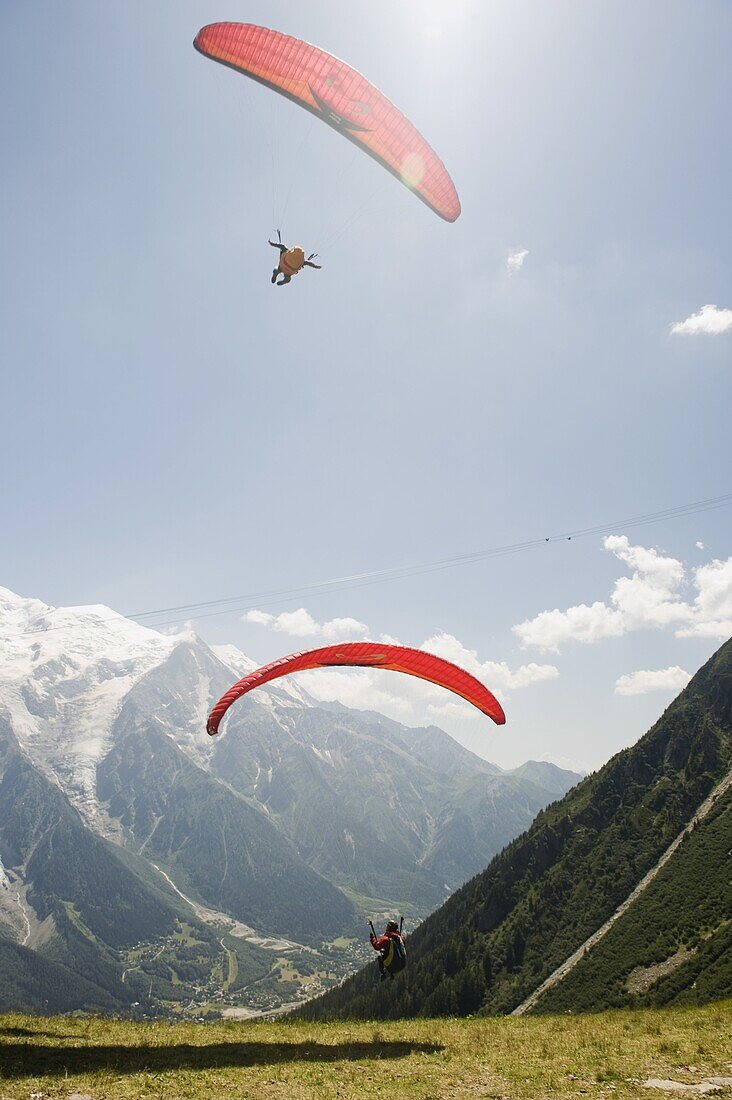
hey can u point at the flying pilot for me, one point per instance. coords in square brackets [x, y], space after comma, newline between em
[392, 952]
[292, 260]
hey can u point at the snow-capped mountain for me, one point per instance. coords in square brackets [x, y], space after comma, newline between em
[66, 672]
[275, 828]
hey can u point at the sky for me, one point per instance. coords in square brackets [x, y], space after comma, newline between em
[175, 430]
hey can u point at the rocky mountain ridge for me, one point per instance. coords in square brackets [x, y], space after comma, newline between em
[291, 824]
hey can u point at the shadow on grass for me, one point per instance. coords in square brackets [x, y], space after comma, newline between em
[31, 1060]
[34, 1034]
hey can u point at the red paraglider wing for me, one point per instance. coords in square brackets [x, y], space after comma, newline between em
[396, 658]
[340, 96]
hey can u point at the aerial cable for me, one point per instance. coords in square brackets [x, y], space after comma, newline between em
[399, 572]
[352, 581]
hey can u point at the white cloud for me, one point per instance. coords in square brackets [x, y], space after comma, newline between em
[709, 321]
[700, 545]
[496, 675]
[415, 701]
[712, 616]
[714, 582]
[515, 260]
[583, 623]
[445, 711]
[336, 630]
[710, 629]
[646, 680]
[301, 624]
[263, 618]
[361, 689]
[651, 598]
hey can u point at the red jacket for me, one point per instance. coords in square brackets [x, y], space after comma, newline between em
[382, 943]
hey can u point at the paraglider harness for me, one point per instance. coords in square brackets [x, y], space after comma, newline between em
[283, 268]
[392, 952]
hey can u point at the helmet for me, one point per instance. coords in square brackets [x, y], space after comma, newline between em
[392, 926]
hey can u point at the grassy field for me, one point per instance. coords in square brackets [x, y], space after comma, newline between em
[608, 1055]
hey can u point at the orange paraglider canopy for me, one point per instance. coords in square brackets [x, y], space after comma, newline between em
[340, 96]
[396, 658]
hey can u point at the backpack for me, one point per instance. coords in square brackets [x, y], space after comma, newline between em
[398, 954]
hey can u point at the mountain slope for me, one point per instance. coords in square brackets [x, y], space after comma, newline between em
[674, 945]
[39, 986]
[85, 924]
[381, 811]
[502, 934]
[384, 811]
[210, 840]
[147, 855]
[82, 906]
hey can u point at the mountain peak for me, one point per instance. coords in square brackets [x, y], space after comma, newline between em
[65, 672]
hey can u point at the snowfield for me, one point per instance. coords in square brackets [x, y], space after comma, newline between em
[65, 673]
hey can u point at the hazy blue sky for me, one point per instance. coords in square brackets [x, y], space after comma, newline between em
[174, 429]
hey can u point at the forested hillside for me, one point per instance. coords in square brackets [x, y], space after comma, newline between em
[674, 945]
[506, 930]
